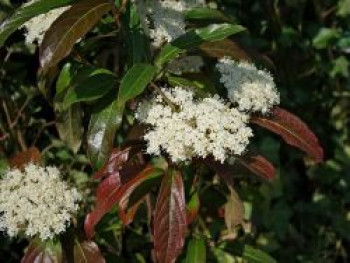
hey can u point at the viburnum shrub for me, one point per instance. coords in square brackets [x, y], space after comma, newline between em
[158, 97]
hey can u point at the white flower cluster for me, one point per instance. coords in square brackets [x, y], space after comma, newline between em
[187, 64]
[164, 20]
[196, 128]
[36, 202]
[252, 89]
[37, 26]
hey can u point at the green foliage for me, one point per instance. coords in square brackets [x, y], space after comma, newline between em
[76, 106]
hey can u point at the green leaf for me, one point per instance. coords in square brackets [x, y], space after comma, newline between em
[89, 84]
[206, 14]
[25, 13]
[69, 126]
[104, 123]
[343, 8]
[340, 67]
[253, 255]
[69, 28]
[135, 81]
[325, 37]
[196, 251]
[194, 38]
[137, 42]
[64, 79]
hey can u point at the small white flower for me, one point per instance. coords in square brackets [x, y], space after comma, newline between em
[252, 89]
[37, 26]
[198, 128]
[164, 20]
[36, 202]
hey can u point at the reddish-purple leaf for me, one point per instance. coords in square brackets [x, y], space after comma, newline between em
[38, 253]
[170, 218]
[109, 193]
[114, 164]
[256, 165]
[127, 214]
[293, 130]
[68, 28]
[87, 252]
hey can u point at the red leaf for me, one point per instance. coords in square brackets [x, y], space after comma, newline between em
[114, 164]
[293, 130]
[68, 28]
[109, 193]
[257, 165]
[170, 218]
[38, 253]
[127, 214]
[87, 252]
[32, 155]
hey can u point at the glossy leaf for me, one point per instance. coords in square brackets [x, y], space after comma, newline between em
[69, 28]
[206, 14]
[25, 13]
[170, 218]
[89, 84]
[257, 165]
[135, 81]
[293, 130]
[196, 251]
[87, 252]
[32, 155]
[69, 126]
[109, 193]
[234, 211]
[195, 38]
[103, 126]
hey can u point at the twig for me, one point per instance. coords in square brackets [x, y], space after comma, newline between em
[116, 12]
[41, 131]
[19, 113]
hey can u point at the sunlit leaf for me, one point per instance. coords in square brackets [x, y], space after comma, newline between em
[194, 38]
[196, 251]
[104, 123]
[234, 211]
[206, 14]
[170, 218]
[25, 13]
[135, 81]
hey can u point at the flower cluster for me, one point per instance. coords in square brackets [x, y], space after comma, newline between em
[189, 128]
[37, 26]
[164, 20]
[252, 89]
[187, 64]
[36, 202]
